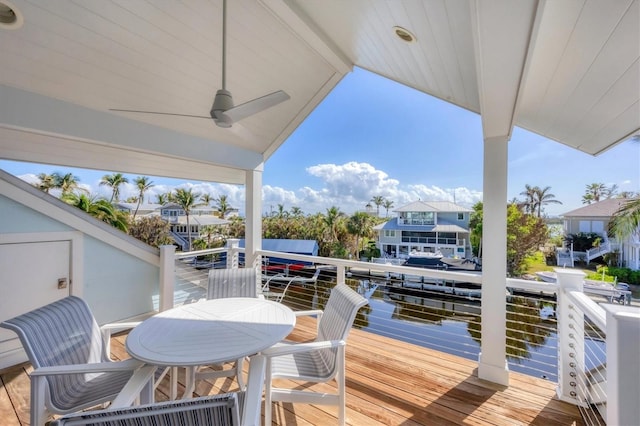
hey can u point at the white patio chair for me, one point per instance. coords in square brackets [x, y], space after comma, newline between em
[230, 409]
[317, 361]
[223, 283]
[72, 368]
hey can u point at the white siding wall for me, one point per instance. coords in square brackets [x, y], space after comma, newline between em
[116, 284]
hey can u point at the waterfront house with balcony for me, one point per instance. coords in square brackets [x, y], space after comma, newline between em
[566, 70]
[594, 218]
[428, 227]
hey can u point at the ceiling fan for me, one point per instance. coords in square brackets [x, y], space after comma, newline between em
[223, 112]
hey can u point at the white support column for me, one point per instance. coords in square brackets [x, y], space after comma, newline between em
[167, 276]
[253, 224]
[493, 363]
[571, 364]
[623, 367]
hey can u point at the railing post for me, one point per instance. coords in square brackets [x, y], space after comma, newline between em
[232, 253]
[623, 365]
[570, 320]
[167, 276]
[340, 274]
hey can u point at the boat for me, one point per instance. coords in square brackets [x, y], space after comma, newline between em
[435, 260]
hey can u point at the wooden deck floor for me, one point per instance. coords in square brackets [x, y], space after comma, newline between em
[389, 383]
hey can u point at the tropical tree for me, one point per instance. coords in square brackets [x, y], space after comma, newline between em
[281, 212]
[378, 200]
[387, 204]
[529, 204]
[475, 226]
[114, 181]
[331, 221]
[525, 234]
[598, 191]
[162, 198]
[542, 197]
[143, 184]
[187, 200]
[67, 183]
[626, 220]
[206, 199]
[222, 205]
[45, 182]
[359, 225]
[97, 207]
[152, 230]
[296, 212]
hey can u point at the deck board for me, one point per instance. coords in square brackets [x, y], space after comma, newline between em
[388, 383]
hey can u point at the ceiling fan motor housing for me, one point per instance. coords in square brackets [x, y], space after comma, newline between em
[221, 103]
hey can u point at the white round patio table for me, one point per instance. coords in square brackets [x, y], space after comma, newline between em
[210, 332]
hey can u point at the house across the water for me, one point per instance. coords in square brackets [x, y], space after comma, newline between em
[594, 219]
[426, 227]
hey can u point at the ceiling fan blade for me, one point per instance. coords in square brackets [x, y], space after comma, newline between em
[159, 113]
[255, 106]
[243, 133]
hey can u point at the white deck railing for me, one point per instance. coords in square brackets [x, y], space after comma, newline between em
[610, 387]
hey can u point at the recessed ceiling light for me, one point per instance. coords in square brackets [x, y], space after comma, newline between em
[404, 34]
[10, 17]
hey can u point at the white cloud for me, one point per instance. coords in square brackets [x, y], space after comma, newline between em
[349, 186]
[352, 185]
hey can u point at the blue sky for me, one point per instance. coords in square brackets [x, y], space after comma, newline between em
[372, 136]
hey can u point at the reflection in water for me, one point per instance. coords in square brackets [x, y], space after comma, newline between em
[446, 323]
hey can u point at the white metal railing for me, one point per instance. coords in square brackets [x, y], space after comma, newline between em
[603, 384]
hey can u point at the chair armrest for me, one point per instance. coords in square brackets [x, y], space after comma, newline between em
[106, 330]
[301, 347]
[98, 367]
[120, 325]
[308, 313]
[141, 378]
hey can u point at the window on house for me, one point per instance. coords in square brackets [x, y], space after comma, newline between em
[389, 234]
[460, 216]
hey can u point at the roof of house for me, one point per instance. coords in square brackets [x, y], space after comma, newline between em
[142, 207]
[604, 208]
[432, 206]
[201, 220]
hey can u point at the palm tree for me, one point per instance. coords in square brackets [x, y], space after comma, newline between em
[529, 203]
[223, 206]
[281, 213]
[542, 197]
[45, 182]
[144, 184]
[206, 198]
[97, 207]
[378, 200]
[331, 220]
[296, 212]
[67, 182]
[387, 205]
[594, 192]
[114, 181]
[162, 199]
[626, 221]
[359, 225]
[186, 199]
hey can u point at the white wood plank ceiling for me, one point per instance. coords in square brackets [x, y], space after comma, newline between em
[568, 70]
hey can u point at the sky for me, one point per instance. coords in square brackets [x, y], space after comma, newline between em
[374, 137]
